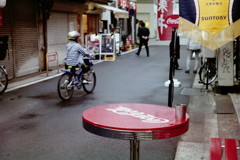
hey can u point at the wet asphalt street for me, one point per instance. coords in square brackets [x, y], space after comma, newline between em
[36, 125]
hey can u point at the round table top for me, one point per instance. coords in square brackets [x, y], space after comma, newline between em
[133, 120]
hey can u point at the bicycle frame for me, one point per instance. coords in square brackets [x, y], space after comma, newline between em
[4, 79]
[69, 80]
[77, 77]
[3, 67]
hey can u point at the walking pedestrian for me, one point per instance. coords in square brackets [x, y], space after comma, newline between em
[143, 34]
[193, 47]
[138, 25]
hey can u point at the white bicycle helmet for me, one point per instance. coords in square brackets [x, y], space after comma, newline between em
[73, 35]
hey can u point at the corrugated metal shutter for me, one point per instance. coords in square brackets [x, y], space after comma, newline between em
[25, 37]
[5, 30]
[59, 25]
[57, 34]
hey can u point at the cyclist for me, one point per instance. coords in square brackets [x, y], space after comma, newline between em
[76, 54]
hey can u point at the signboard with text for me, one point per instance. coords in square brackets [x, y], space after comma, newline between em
[124, 4]
[165, 9]
[172, 20]
[212, 23]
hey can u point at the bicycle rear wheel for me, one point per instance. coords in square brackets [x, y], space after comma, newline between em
[65, 89]
[207, 70]
[3, 80]
[91, 84]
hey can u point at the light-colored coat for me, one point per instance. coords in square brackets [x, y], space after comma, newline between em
[75, 54]
[192, 45]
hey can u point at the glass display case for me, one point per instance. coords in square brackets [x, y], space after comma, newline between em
[102, 45]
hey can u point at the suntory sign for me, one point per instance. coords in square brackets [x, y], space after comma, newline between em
[216, 21]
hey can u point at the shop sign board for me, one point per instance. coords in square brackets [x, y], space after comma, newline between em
[117, 42]
[124, 4]
[92, 43]
[165, 9]
[216, 21]
[133, 5]
[173, 20]
[121, 15]
[225, 65]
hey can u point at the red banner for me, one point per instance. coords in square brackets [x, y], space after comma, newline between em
[124, 4]
[0, 16]
[165, 9]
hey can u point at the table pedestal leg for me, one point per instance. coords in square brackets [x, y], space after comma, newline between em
[134, 149]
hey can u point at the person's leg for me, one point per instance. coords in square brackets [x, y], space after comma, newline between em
[85, 68]
[176, 65]
[140, 47]
[188, 62]
[196, 62]
[146, 46]
[73, 70]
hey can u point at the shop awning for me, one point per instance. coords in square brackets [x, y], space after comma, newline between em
[119, 13]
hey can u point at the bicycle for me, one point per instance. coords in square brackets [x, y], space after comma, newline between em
[69, 81]
[3, 79]
[208, 71]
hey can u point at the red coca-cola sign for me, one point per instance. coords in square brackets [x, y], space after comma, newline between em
[173, 20]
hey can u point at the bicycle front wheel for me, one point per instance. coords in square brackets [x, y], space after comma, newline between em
[90, 85]
[207, 70]
[65, 88]
[3, 80]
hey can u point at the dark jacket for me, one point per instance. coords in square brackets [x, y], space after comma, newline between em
[143, 31]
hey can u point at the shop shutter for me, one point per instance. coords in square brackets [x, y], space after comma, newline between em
[5, 30]
[57, 30]
[25, 37]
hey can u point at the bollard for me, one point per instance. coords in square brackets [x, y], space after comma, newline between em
[180, 112]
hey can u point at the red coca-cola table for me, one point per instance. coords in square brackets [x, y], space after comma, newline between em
[134, 122]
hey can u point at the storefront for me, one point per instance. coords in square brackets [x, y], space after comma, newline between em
[119, 22]
[64, 17]
[33, 28]
[19, 25]
[104, 46]
[128, 25]
[58, 27]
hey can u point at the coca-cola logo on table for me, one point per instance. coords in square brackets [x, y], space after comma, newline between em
[144, 117]
[173, 20]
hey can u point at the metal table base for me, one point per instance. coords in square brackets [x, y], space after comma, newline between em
[134, 149]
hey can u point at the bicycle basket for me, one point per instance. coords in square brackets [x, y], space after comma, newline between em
[88, 61]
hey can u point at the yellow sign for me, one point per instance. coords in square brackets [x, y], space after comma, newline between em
[212, 23]
[215, 14]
